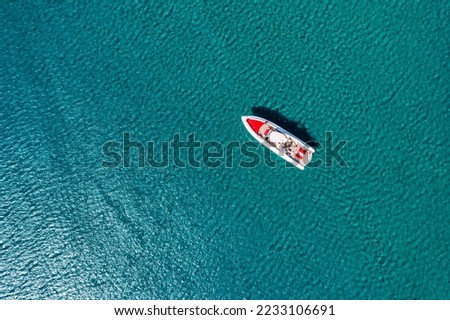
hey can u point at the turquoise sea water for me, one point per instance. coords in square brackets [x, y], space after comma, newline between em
[75, 74]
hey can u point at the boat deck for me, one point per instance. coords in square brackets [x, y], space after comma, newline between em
[285, 144]
[278, 140]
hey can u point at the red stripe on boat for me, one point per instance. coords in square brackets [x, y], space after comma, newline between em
[255, 124]
[300, 153]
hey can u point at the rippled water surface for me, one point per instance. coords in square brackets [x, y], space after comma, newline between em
[77, 74]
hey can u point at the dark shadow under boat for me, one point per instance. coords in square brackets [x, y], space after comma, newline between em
[294, 127]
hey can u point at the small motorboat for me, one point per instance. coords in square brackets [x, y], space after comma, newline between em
[278, 140]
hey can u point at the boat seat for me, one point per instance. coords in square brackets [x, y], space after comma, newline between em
[300, 153]
[265, 130]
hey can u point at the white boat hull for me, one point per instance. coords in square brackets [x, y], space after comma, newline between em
[275, 145]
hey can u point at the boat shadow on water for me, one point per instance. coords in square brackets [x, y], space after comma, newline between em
[294, 127]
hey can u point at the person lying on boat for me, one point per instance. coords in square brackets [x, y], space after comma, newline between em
[288, 143]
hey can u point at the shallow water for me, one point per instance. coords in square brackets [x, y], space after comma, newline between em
[76, 75]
